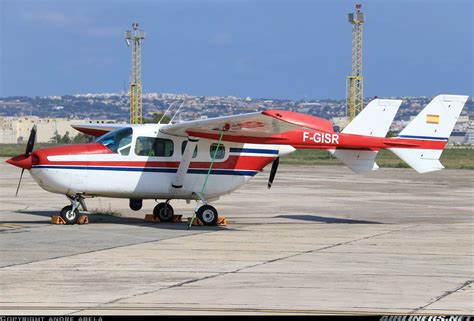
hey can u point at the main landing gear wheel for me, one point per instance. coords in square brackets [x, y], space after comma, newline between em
[207, 214]
[164, 212]
[68, 215]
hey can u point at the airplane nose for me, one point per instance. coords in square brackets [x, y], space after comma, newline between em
[22, 161]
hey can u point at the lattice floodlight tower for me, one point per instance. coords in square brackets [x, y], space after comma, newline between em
[135, 38]
[355, 82]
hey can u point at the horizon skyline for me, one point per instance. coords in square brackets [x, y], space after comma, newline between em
[470, 97]
[274, 49]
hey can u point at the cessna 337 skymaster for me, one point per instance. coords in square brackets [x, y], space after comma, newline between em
[204, 159]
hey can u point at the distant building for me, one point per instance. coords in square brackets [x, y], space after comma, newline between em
[16, 130]
[469, 138]
[457, 138]
[339, 122]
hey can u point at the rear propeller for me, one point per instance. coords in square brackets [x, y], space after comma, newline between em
[273, 172]
[29, 149]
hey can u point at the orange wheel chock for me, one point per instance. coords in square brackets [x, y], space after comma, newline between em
[56, 219]
[83, 219]
[221, 221]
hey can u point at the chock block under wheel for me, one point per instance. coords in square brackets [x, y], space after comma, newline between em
[221, 221]
[56, 219]
[151, 218]
[83, 219]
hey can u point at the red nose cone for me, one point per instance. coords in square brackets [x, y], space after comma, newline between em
[21, 161]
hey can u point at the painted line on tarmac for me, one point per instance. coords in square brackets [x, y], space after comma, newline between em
[211, 276]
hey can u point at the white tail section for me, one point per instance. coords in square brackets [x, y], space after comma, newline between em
[437, 119]
[435, 122]
[421, 160]
[375, 119]
[359, 161]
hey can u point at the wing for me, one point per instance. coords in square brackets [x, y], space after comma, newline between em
[97, 129]
[259, 124]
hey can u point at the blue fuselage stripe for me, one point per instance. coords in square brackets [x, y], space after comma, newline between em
[154, 170]
[254, 151]
[422, 137]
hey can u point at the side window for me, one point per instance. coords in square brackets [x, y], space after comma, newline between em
[154, 147]
[124, 146]
[220, 152]
[183, 147]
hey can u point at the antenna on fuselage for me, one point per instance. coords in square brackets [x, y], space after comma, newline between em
[177, 111]
[164, 114]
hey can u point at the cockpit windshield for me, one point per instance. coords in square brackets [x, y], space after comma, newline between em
[118, 141]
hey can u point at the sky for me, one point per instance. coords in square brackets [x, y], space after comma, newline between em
[282, 49]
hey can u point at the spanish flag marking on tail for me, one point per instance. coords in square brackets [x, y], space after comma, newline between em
[432, 119]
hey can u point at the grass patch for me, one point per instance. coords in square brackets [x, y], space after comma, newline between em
[452, 158]
[109, 212]
[11, 150]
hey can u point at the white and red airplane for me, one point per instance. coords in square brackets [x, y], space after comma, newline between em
[204, 159]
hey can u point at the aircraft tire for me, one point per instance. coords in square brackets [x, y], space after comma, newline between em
[208, 215]
[135, 204]
[68, 216]
[160, 213]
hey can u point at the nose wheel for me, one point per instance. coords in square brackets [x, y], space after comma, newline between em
[207, 214]
[69, 215]
[164, 212]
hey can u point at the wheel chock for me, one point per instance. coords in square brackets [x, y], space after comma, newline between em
[152, 219]
[56, 219]
[83, 219]
[221, 221]
[196, 222]
[177, 218]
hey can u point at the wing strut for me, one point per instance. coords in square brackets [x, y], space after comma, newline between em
[184, 164]
[226, 127]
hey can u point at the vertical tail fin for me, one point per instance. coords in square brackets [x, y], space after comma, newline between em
[434, 123]
[374, 120]
[437, 119]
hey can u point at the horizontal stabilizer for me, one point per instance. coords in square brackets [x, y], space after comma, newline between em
[359, 161]
[421, 160]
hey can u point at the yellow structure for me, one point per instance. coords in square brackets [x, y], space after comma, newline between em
[135, 37]
[355, 82]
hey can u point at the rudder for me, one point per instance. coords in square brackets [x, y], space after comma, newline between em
[435, 122]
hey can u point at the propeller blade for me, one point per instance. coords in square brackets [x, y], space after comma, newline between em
[31, 141]
[29, 148]
[273, 171]
[19, 182]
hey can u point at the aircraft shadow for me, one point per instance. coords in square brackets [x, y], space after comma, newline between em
[101, 218]
[329, 220]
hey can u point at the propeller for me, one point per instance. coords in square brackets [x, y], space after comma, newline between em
[273, 172]
[29, 148]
